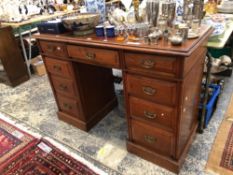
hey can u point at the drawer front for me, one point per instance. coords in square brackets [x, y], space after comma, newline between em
[68, 106]
[54, 49]
[99, 56]
[151, 112]
[152, 138]
[64, 86]
[57, 67]
[159, 91]
[151, 63]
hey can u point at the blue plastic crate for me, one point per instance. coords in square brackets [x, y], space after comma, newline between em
[211, 103]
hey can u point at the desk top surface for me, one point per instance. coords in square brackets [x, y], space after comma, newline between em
[162, 47]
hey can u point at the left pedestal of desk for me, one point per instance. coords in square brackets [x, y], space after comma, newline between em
[15, 69]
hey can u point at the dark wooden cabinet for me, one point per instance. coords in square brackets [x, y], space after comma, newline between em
[14, 68]
[161, 87]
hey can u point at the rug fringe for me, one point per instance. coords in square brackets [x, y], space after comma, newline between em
[75, 156]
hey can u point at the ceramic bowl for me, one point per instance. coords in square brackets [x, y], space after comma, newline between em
[81, 22]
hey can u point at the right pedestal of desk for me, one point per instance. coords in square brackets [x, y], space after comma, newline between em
[162, 97]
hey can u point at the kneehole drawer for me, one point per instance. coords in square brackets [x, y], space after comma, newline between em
[152, 138]
[94, 55]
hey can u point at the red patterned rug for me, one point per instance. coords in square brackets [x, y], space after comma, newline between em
[23, 154]
[13, 141]
[45, 159]
[227, 157]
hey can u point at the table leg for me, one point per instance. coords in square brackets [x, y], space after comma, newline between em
[30, 45]
[208, 73]
[24, 52]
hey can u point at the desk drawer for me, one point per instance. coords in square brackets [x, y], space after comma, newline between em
[54, 49]
[68, 106]
[151, 63]
[57, 67]
[155, 90]
[64, 86]
[151, 112]
[152, 138]
[99, 56]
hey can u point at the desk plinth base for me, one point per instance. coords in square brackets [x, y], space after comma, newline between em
[151, 156]
[163, 161]
[86, 126]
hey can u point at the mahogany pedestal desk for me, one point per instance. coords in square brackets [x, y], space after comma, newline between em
[161, 86]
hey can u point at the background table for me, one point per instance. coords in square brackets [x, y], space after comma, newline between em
[31, 25]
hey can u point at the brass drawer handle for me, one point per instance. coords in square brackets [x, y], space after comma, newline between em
[67, 106]
[150, 115]
[57, 68]
[53, 48]
[148, 64]
[58, 48]
[150, 139]
[148, 90]
[90, 56]
[63, 87]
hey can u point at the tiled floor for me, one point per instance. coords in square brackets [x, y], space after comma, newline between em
[34, 104]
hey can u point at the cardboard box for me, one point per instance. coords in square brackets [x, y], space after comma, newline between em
[38, 66]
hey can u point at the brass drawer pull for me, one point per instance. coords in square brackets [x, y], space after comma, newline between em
[53, 48]
[63, 87]
[90, 56]
[57, 68]
[148, 90]
[150, 115]
[67, 106]
[148, 64]
[150, 139]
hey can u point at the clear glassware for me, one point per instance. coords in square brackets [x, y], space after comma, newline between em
[152, 9]
[162, 23]
[195, 25]
[120, 34]
[188, 12]
[168, 8]
[131, 33]
[105, 34]
[141, 30]
[198, 9]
